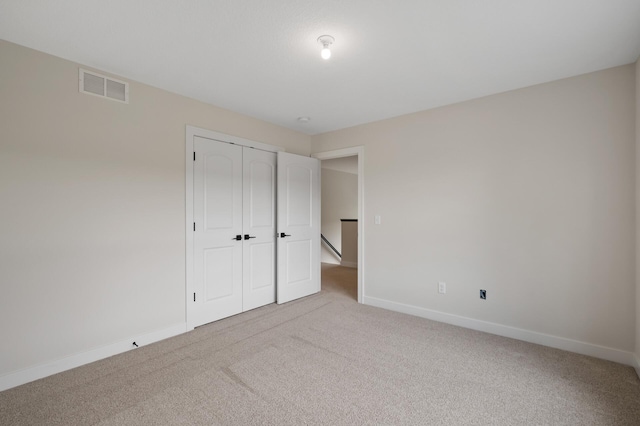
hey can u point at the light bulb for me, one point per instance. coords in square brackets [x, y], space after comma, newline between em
[326, 41]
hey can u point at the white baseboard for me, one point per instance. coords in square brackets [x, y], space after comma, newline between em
[30, 374]
[349, 264]
[570, 345]
[636, 364]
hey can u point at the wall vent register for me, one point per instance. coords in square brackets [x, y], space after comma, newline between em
[105, 87]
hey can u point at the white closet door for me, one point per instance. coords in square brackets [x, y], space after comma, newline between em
[218, 220]
[298, 226]
[259, 221]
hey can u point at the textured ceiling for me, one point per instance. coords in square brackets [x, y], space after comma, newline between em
[390, 57]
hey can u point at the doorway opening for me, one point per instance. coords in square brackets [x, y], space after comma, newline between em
[342, 220]
[339, 253]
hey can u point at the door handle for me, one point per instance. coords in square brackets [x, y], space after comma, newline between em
[282, 235]
[237, 238]
[246, 236]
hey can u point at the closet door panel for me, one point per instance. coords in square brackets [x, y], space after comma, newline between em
[218, 220]
[259, 221]
[298, 249]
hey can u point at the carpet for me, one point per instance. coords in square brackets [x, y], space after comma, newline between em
[327, 360]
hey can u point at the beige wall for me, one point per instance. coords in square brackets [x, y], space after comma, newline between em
[637, 67]
[92, 247]
[349, 244]
[528, 194]
[339, 201]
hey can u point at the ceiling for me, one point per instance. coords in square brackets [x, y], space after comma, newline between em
[342, 164]
[390, 57]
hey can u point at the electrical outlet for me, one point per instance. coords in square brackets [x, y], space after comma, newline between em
[483, 294]
[442, 288]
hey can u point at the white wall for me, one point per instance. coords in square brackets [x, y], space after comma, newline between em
[92, 247]
[528, 194]
[339, 201]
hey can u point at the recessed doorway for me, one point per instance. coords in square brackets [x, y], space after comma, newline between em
[357, 154]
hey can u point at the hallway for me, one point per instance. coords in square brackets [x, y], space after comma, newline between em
[340, 279]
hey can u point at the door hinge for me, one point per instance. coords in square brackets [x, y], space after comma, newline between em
[194, 156]
[194, 226]
[194, 297]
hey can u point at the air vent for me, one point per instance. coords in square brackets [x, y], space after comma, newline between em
[103, 86]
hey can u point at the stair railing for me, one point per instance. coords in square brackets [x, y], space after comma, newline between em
[330, 246]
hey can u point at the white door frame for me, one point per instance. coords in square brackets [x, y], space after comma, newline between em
[349, 152]
[191, 132]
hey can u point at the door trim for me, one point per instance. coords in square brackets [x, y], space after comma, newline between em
[191, 132]
[348, 152]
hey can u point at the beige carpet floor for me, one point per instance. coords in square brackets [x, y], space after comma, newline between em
[325, 359]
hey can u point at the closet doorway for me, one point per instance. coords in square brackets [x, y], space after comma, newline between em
[252, 223]
[234, 229]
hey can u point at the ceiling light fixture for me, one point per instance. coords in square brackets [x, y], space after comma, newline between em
[326, 41]
[304, 120]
